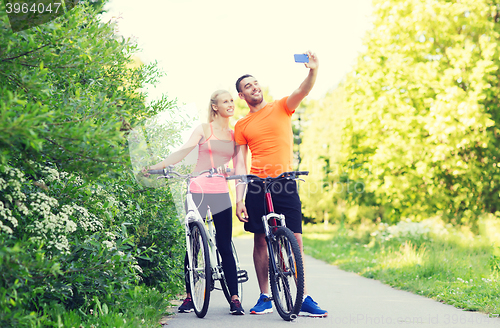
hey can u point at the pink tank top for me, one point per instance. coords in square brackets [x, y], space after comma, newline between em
[213, 152]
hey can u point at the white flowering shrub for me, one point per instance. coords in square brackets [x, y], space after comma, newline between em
[11, 197]
[409, 230]
[51, 219]
[67, 240]
[33, 204]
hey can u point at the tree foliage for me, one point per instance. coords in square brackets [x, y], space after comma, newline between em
[421, 134]
[76, 230]
[68, 94]
[425, 99]
[320, 150]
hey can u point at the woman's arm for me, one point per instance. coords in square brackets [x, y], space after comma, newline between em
[180, 154]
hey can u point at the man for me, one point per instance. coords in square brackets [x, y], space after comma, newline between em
[267, 131]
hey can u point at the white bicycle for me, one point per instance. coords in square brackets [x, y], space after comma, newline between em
[204, 265]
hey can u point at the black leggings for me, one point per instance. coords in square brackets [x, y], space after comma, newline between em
[222, 213]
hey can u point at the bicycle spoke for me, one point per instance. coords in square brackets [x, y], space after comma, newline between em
[287, 294]
[283, 274]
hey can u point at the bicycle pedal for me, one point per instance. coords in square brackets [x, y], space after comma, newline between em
[242, 276]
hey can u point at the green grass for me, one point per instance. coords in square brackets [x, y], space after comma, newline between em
[143, 307]
[456, 268]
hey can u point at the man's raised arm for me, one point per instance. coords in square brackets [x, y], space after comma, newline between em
[306, 86]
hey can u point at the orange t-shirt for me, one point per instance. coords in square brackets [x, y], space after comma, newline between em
[268, 134]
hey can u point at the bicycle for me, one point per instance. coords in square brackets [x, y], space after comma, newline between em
[286, 268]
[204, 261]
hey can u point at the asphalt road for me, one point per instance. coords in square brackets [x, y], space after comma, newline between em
[351, 301]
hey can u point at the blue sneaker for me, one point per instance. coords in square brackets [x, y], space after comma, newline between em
[263, 305]
[311, 309]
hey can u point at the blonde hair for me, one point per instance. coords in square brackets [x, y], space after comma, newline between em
[212, 114]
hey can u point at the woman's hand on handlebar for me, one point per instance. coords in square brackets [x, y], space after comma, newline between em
[145, 172]
[224, 170]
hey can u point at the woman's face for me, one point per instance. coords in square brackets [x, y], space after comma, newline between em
[225, 105]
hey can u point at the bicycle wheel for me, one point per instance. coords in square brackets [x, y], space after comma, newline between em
[286, 273]
[242, 276]
[200, 275]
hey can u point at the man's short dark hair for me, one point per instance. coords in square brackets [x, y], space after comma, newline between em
[239, 80]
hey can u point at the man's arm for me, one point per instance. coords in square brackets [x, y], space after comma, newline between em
[240, 168]
[303, 90]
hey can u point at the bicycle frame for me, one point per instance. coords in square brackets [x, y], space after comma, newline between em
[212, 269]
[285, 259]
[270, 229]
[271, 215]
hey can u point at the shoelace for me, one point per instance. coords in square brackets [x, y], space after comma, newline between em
[312, 301]
[186, 301]
[237, 303]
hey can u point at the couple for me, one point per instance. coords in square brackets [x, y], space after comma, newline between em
[267, 131]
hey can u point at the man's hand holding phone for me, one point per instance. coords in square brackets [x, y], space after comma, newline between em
[309, 59]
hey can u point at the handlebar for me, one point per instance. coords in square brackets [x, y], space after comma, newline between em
[169, 173]
[251, 177]
[162, 171]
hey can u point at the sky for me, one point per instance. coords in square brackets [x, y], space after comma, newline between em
[205, 45]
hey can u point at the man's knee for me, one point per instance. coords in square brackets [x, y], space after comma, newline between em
[260, 242]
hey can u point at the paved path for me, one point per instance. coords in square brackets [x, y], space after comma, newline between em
[351, 301]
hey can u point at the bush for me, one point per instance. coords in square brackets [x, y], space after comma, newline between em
[70, 243]
[76, 232]
[154, 227]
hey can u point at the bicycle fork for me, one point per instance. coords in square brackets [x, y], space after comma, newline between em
[191, 216]
[216, 274]
[271, 238]
[191, 261]
[271, 229]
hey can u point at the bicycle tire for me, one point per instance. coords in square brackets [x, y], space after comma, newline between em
[223, 283]
[286, 273]
[200, 275]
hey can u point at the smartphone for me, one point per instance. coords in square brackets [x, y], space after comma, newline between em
[301, 58]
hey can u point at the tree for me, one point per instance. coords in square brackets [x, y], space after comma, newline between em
[67, 95]
[425, 101]
[76, 231]
[326, 192]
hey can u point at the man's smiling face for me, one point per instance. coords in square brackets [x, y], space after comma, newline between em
[251, 91]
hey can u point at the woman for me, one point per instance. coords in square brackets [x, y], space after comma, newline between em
[216, 148]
